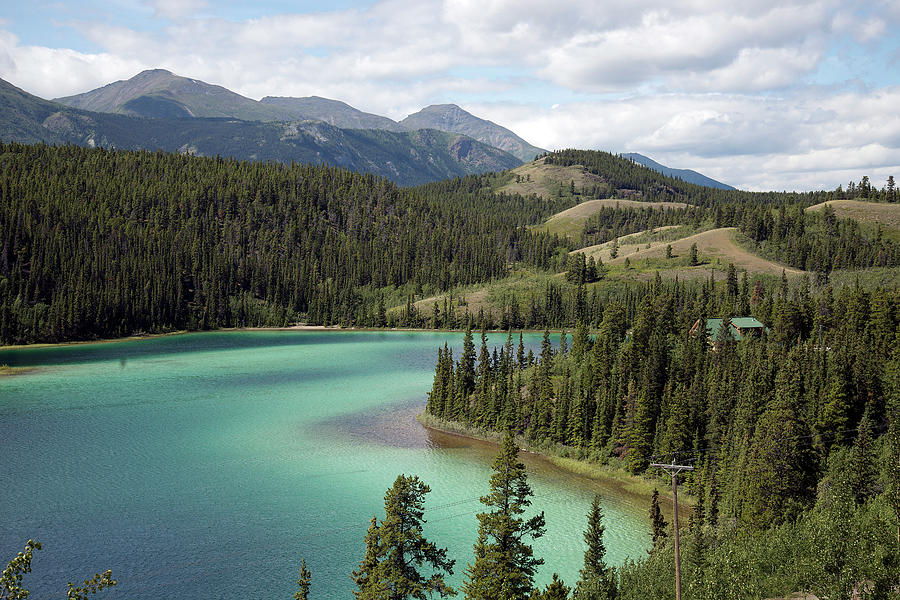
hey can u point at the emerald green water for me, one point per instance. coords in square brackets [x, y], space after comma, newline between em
[206, 465]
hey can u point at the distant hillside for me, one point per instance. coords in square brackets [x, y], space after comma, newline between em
[871, 213]
[334, 112]
[408, 158]
[159, 94]
[449, 117]
[713, 244]
[684, 174]
[185, 242]
[22, 116]
[570, 222]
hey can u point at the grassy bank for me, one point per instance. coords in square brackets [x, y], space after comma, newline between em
[8, 371]
[562, 457]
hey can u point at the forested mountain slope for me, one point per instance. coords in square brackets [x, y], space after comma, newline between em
[106, 243]
[99, 243]
[794, 432]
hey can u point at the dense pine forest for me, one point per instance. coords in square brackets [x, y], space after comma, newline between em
[97, 243]
[795, 431]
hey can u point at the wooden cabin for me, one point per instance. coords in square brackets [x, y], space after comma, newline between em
[739, 328]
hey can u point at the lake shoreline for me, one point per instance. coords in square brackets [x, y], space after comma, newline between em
[632, 485]
[7, 371]
[331, 328]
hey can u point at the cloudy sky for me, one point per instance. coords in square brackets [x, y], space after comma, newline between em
[761, 94]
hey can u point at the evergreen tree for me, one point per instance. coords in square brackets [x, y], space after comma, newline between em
[892, 468]
[640, 432]
[504, 563]
[731, 282]
[303, 582]
[597, 581]
[777, 473]
[406, 549]
[835, 416]
[580, 341]
[863, 461]
[520, 353]
[555, 590]
[657, 522]
[396, 549]
[698, 540]
[466, 370]
[367, 579]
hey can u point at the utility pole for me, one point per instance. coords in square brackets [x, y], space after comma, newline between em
[674, 470]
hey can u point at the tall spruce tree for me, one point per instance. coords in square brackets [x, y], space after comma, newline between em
[504, 563]
[892, 468]
[555, 590]
[597, 581]
[657, 522]
[466, 370]
[366, 577]
[396, 549]
[863, 461]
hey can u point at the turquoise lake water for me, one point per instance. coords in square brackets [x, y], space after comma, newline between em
[204, 466]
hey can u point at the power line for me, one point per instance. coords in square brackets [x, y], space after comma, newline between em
[673, 470]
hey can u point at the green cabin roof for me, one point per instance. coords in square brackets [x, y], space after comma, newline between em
[739, 326]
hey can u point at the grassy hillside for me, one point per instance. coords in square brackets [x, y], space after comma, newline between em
[762, 235]
[570, 222]
[868, 213]
[549, 181]
[715, 245]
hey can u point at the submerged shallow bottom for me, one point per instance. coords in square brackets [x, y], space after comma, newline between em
[207, 465]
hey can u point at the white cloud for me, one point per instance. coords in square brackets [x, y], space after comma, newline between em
[758, 69]
[52, 72]
[686, 50]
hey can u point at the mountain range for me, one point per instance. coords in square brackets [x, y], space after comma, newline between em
[158, 110]
[406, 157]
[160, 94]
